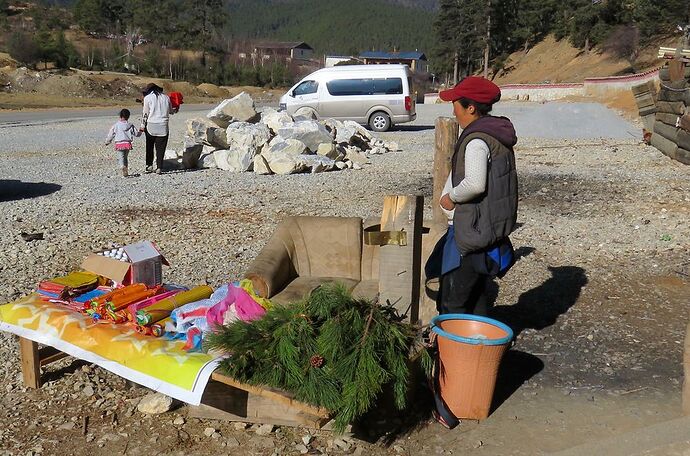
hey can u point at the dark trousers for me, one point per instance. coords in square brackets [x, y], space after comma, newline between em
[463, 290]
[160, 143]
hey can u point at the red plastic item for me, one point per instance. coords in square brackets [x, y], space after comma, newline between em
[176, 99]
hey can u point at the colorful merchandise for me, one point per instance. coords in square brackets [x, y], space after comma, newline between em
[69, 286]
[162, 309]
[133, 308]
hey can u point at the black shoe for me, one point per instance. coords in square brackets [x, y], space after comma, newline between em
[159, 171]
[149, 170]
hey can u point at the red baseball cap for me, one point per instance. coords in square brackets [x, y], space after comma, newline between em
[474, 88]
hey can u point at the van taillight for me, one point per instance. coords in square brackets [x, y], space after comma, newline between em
[408, 103]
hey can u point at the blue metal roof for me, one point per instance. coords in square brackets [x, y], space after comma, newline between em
[412, 55]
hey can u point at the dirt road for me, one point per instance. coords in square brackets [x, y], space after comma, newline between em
[598, 299]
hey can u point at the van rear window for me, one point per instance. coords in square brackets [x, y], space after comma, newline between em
[387, 86]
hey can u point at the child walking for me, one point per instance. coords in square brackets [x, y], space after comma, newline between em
[123, 134]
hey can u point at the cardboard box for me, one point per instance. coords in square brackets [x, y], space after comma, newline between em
[145, 265]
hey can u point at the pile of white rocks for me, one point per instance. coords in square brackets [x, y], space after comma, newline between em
[235, 137]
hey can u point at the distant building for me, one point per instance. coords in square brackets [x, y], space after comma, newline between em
[288, 51]
[333, 60]
[415, 60]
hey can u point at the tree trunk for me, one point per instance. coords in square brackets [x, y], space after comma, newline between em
[487, 47]
[455, 68]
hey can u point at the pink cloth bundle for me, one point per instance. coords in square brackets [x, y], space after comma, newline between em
[246, 308]
[133, 308]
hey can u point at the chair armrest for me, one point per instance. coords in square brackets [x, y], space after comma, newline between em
[272, 269]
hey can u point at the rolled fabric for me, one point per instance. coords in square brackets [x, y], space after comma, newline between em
[157, 329]
[163, 308]
[133, 308]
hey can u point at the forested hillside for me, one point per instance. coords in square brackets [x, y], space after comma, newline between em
[468, 30]
[334, 26]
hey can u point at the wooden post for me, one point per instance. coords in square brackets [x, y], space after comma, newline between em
[447, 130]
[400, 266]
[31, 364]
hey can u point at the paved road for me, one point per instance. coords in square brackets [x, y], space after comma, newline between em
[46, 116]
[60, 129]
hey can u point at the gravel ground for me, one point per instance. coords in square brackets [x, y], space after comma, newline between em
[598, 298]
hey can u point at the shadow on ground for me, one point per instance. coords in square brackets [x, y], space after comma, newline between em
[541, 306]
[12, 190]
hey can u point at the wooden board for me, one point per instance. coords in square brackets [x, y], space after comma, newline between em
[667, 147]
[667, 131]
[640, 89]
[648, 111]
[400, 266]
[668, 119]
[228, 403]
[676, 70]
[683, 156]
[672, 107]
[645, 100]
[683, 139]
[277, 396]
[31, 363]
[446, 135]
[648, 121]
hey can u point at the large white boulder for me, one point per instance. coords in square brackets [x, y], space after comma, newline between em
[196, 128]
[261, 165]
[288, 146]
[286, 163]
[242, 135]
[363, 132]
[275, 119]
[310, 132]
[217, 137]
[344, 133]
[317, 163]
[328, 150]
[237, 161]
[354, 155]
[237, 109]
[207, 159]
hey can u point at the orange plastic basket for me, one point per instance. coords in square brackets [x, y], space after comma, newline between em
[470, 351]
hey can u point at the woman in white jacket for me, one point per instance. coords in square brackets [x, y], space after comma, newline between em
[157, 110]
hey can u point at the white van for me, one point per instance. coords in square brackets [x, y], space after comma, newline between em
[375, 95]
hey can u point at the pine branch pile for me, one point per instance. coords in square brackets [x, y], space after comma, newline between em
[329, 350]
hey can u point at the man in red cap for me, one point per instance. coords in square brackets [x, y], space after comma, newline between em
[480, 200]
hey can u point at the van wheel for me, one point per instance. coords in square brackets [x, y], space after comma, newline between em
[379, 121]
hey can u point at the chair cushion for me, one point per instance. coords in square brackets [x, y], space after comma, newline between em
[303, 286]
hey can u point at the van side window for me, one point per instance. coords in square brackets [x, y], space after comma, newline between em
[306, 88]
[342, 87]
[389, 86]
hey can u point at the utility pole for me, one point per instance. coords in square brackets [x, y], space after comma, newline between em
[487, 48]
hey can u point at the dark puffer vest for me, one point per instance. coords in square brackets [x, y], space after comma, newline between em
[491, 216]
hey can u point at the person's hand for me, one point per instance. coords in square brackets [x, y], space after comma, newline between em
[447, 203]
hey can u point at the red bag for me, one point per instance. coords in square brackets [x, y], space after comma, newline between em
[176, 99]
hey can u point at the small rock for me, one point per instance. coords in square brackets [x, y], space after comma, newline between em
[302, 448]
[265, 429]
[155, 404]
[342, 444]
[478, 444]
[232, 442]
[208, 432]
[179, 421]
[307, 439]
[239, 426]
[87, 391]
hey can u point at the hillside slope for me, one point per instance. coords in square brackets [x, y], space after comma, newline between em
[333, 26]
[558, 61]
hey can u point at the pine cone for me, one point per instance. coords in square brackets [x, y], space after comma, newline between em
[316, 361]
